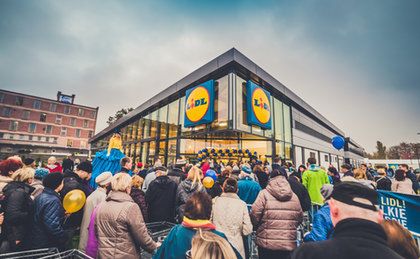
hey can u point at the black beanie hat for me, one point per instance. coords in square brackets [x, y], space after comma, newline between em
[52, 180]
[85, 166]
[28, 161]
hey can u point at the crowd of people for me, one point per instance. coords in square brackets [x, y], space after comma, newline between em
[210, 221]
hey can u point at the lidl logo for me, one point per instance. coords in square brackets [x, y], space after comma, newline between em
[199, 108]
[258, 105]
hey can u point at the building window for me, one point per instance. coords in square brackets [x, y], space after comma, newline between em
[48, 129]
[19, 100]
[32, 128]
[82, 144]
[43, 117]
[30, 137]
[81, 112]
[58, 119]
[93, 114]
[72, 121]
[13, 125]
[6, 112]
[78, 133]
[312, 155]
[26, 114]
[37, 104]
[90, 133]
[63, 131]
[67, 109]
[326, 158]
[69, 143]
[1, 97]
[53, 107]
[85, 124]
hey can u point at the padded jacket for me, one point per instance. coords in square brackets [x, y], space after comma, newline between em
[276, 214]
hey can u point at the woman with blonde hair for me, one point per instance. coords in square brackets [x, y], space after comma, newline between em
[53, 166]
[18, 210]
[207, 245]
[382, 180]
[186, 188]
[138, 195]
[360, 176]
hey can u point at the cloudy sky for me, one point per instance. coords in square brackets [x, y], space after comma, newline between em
[357, 62]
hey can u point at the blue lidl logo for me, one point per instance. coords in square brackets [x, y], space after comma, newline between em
[199, 108]
[259, 107]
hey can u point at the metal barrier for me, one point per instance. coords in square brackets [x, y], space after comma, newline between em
[158, 232]
[69, 254]
[46, 253]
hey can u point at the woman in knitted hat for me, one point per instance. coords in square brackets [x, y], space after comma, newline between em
[40, 173]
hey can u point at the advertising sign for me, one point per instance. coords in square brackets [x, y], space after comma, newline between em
[199, 104]
[258, 106]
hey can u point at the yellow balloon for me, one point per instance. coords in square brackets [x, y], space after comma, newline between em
[74, 201]
[208, 182]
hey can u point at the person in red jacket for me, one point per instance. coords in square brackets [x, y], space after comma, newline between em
[53, 166]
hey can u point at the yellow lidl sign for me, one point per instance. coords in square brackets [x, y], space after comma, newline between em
[199, 107]
[259, 106]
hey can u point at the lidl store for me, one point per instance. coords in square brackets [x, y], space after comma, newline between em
[232, 108]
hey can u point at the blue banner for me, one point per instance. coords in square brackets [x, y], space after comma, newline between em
[258, 106]
[199, 104]
[403, 208]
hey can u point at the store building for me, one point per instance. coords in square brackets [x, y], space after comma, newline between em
[38, 127]
[229, 103]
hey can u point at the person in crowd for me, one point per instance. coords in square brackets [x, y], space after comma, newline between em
[261, 175]
[333, 175]
[126, 165]
[207, 245]
[236, 171]
[40, 173]
[276, 214]
[322, 226]
[18, 209]
[368, 174]
[177, 174]
[205, 166]
[47, 228]
[7, 168]
[186, 188]
[345, 170]
[53, 165]
[400, 239]
[221, 178]
[297, 188]
[230, 215]
[216, 189]
[103, 181]
[143, 172]
[68, 164]
[401, 183]
[196, 219]
[4, 244]
[151, 175]
[313, 179]
[360, 175]
[161, 196]
[29, 162]
[357, 232]
[276, 163]
[138, 196]
[119, 224]
[382, 180]
[248, 188]
[300, 171]
[410, 175]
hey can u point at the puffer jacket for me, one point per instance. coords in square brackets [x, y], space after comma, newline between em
[120, 227]
[47, 229]
[183, 193]
[322, 226]
[18, 212]
[276, 214]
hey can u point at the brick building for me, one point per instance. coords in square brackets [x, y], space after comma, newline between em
[38, 127]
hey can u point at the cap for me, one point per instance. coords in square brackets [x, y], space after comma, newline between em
[326, 191]
[52, 180]
[139, 164]
[161, 168]
[28, 161]
[346, 192]
[104, 178]
[40, 173]
[181, 162]
[85, 166]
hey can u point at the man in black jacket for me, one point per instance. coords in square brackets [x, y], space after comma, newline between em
[357, 234]
[178, 174]
[68, 164]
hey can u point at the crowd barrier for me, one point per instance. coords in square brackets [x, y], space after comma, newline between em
[46, 253]
[158, 232]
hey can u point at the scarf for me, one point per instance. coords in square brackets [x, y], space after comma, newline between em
[198, 223]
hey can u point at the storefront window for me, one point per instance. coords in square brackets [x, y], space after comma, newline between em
[152, 149]
[263, 148]
[221, 108]
[124, 134]
[129, 132]
[137, 158]
[163, 117]
[140, 128]
[288, 151]
[278, 120]
[191, 146]
[144, 152]
[182, 114]
[146, 128]
[241, 105]
[132, 150]
[153, 123]
[280, 149]
[134, 131]
[173, 118]
[287, 121]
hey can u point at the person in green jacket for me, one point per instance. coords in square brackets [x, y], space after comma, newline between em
[313, 179]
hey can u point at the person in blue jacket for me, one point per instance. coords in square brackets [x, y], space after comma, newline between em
[248, 188]
[322, 226]
[196, 218]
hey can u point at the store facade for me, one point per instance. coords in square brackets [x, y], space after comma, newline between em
[229, 103]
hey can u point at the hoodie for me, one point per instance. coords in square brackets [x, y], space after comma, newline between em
[313, 179]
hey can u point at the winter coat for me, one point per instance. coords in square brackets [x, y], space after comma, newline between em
[97, 197]
[352, 238]
[139, 198]
[215, 190]
[262, 178]
[383, 183]
[230, 216]
[184, 191]
[248, 190]
[56, 168]
[18, 212]
[178, 242]
[177, 175]
[120, 228]
[47, 229]
[322, 226]
[405, 186]
[160, 198]
[149, 178]
[368, 183]
[313, 180]
[276, 214]
[301, 193]
[4, 180]
[92, 241]
[68, 164]
[37, 184]
[412, 176]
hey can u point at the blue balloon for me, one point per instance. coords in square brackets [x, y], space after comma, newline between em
[212, 174]
[338, 142]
